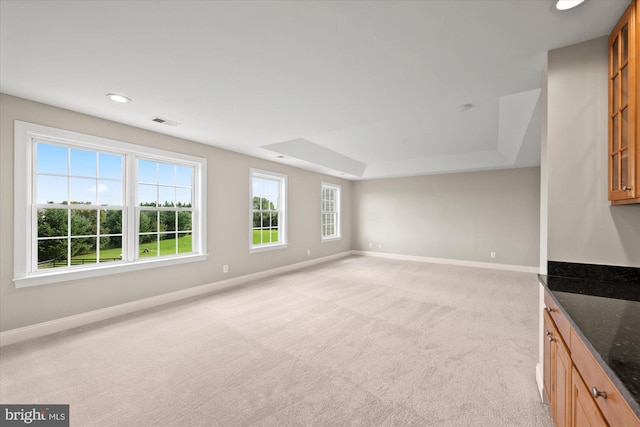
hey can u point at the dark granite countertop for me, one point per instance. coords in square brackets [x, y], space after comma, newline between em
[606, 315]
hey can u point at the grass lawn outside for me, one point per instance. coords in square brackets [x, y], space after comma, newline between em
[167, 247]
[265, 236]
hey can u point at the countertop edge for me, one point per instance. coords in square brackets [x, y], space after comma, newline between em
[622, 388]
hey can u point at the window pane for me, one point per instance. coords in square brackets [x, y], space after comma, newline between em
[110, 193]
[110, 222]
[274, 236]
[52, 253]
[166, 174]
[257, 237]
[52, 189]
[265, 204]
[185, 221]
[83, 163]
[52, 159]
[52, 222]
[184, 176]
[185, 243]
[148, 221]
[168, 244]
[148, 246]
[83, 222]
[167, 196]
[167, 221]
[83, 190]
[83, 250]
[110, 166]
[183, 197]
[147, 195]
[110, 248]
[147, 171]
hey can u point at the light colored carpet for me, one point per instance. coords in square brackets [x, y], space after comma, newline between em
[360, 341]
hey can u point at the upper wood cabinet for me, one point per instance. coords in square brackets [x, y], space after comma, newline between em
[624, 137]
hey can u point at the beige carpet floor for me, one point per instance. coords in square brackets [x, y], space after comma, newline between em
[357, 342]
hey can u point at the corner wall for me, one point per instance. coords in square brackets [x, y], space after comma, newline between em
[463, 216]
[227, 223]
[583, 226]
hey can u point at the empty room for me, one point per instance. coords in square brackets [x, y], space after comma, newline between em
[320, 213]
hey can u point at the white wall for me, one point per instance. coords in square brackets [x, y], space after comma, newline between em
[583, 227]
[228, 222]
[462, 216]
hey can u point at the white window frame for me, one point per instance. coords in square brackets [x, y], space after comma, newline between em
[25, 229]
[338, 189]
[282, 210]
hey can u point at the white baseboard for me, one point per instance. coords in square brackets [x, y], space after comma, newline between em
[463, 263]
[58, 325]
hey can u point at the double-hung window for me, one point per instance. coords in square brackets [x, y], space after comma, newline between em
[87, 206]
[268, 210]
[330, 212]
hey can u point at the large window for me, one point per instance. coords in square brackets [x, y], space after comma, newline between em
[88, 206]
[268, 210]
[330, 212]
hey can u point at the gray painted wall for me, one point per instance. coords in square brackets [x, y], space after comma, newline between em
[582, 225]
[228, 222]
[462, 216]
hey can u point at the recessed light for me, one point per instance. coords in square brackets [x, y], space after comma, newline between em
[118, 98]
[567, 4]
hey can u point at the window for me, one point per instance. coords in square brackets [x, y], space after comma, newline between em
[268, 210]
[330, 212]
[88, 206]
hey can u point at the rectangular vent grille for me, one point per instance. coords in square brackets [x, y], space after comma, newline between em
[164, 121]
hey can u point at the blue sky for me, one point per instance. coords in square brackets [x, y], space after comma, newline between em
[96, 177]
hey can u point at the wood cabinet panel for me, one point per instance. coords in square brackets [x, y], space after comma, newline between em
[584, 411]
[614, 407]
[624, 114]
[558, 317]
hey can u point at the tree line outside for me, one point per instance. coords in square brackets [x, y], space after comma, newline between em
[54, 223]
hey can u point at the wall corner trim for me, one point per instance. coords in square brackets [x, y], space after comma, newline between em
[17, 335]
[459, 262]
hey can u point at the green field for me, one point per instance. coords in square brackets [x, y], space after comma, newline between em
[268, 236]
[167, 247]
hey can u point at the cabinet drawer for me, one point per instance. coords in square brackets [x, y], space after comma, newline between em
[558, 317]
[614, 408]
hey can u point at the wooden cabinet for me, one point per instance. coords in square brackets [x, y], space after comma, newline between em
[624, 115]
[579, 392]
[584, 410]
[557, 374]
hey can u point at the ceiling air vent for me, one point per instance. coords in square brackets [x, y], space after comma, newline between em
[164, 121]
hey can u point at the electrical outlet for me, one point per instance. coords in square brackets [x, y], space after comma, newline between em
[370, 245]
[493, 254]
[308, 252]
[225, 268]
[379, 245]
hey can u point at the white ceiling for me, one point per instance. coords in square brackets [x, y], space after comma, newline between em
[368, 89]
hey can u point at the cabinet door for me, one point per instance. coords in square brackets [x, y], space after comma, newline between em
[557, 374]
[548, 331]
[562, 377]
[623, 109]
[584, 411]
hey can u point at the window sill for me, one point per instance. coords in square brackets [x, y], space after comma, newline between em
[263, 248]
[45, 278]
[330, 239]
